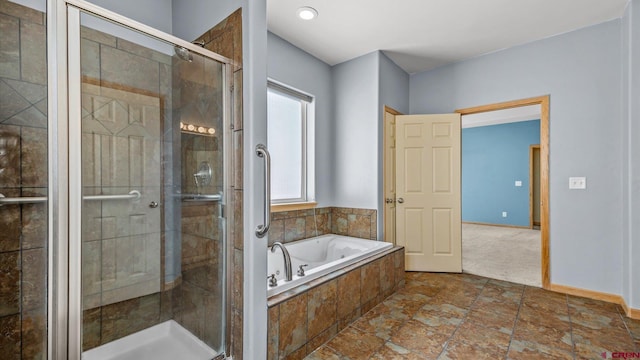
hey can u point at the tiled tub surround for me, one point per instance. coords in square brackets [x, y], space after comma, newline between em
[296, 225]
[304, 318]
[23, 172]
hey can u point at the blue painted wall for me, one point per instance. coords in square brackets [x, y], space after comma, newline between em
[493, 158]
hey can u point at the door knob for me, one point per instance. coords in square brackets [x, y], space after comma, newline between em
[388, 200]
[400, 200]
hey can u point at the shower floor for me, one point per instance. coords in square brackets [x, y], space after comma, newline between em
[167, 340]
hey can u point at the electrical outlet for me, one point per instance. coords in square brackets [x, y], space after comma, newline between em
[578, 183]
[504, 214]
[518, 183]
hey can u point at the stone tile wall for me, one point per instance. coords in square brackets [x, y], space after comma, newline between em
[23, 173]
[361, 223]
[299, 322]
[287, 226]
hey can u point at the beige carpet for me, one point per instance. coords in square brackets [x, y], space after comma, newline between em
[508, 254]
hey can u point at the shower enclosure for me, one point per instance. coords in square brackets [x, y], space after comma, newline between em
[137, 255]
[151, 128]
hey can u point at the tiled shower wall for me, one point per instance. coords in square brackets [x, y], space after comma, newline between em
[23, 173]
[296, 225]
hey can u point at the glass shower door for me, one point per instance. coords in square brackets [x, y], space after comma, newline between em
[153, 247]
[24, 183]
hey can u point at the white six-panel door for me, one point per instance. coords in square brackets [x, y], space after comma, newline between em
[428, 201]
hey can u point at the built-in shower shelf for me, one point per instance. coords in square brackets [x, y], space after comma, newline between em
[165, 341]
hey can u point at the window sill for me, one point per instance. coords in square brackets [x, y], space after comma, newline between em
[293, 206]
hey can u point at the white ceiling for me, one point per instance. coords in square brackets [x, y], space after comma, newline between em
[419, 35]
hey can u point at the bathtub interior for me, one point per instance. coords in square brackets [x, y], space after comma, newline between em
[322, 255]
[325, 248]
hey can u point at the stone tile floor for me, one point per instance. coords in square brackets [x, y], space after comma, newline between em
[461, 316]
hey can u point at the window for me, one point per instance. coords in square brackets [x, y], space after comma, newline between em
[290, 142]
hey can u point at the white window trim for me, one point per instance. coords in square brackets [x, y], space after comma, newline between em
[308, 147]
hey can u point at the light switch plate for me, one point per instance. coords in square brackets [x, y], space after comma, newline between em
[518, 183]
[578, 183]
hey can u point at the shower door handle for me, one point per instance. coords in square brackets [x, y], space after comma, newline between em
[261, 151]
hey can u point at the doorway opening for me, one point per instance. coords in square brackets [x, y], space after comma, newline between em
[497, 239]
[538, 175]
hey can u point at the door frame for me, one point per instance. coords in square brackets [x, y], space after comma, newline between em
[543, 101]
[386, 109]
[532, 152]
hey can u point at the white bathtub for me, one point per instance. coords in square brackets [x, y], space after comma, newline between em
[324, 254]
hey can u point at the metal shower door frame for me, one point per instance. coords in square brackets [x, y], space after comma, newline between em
[65, 172]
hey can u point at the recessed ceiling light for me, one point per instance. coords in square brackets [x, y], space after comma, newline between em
[307, 13]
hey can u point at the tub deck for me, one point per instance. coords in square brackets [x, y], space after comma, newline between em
[322, 255]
